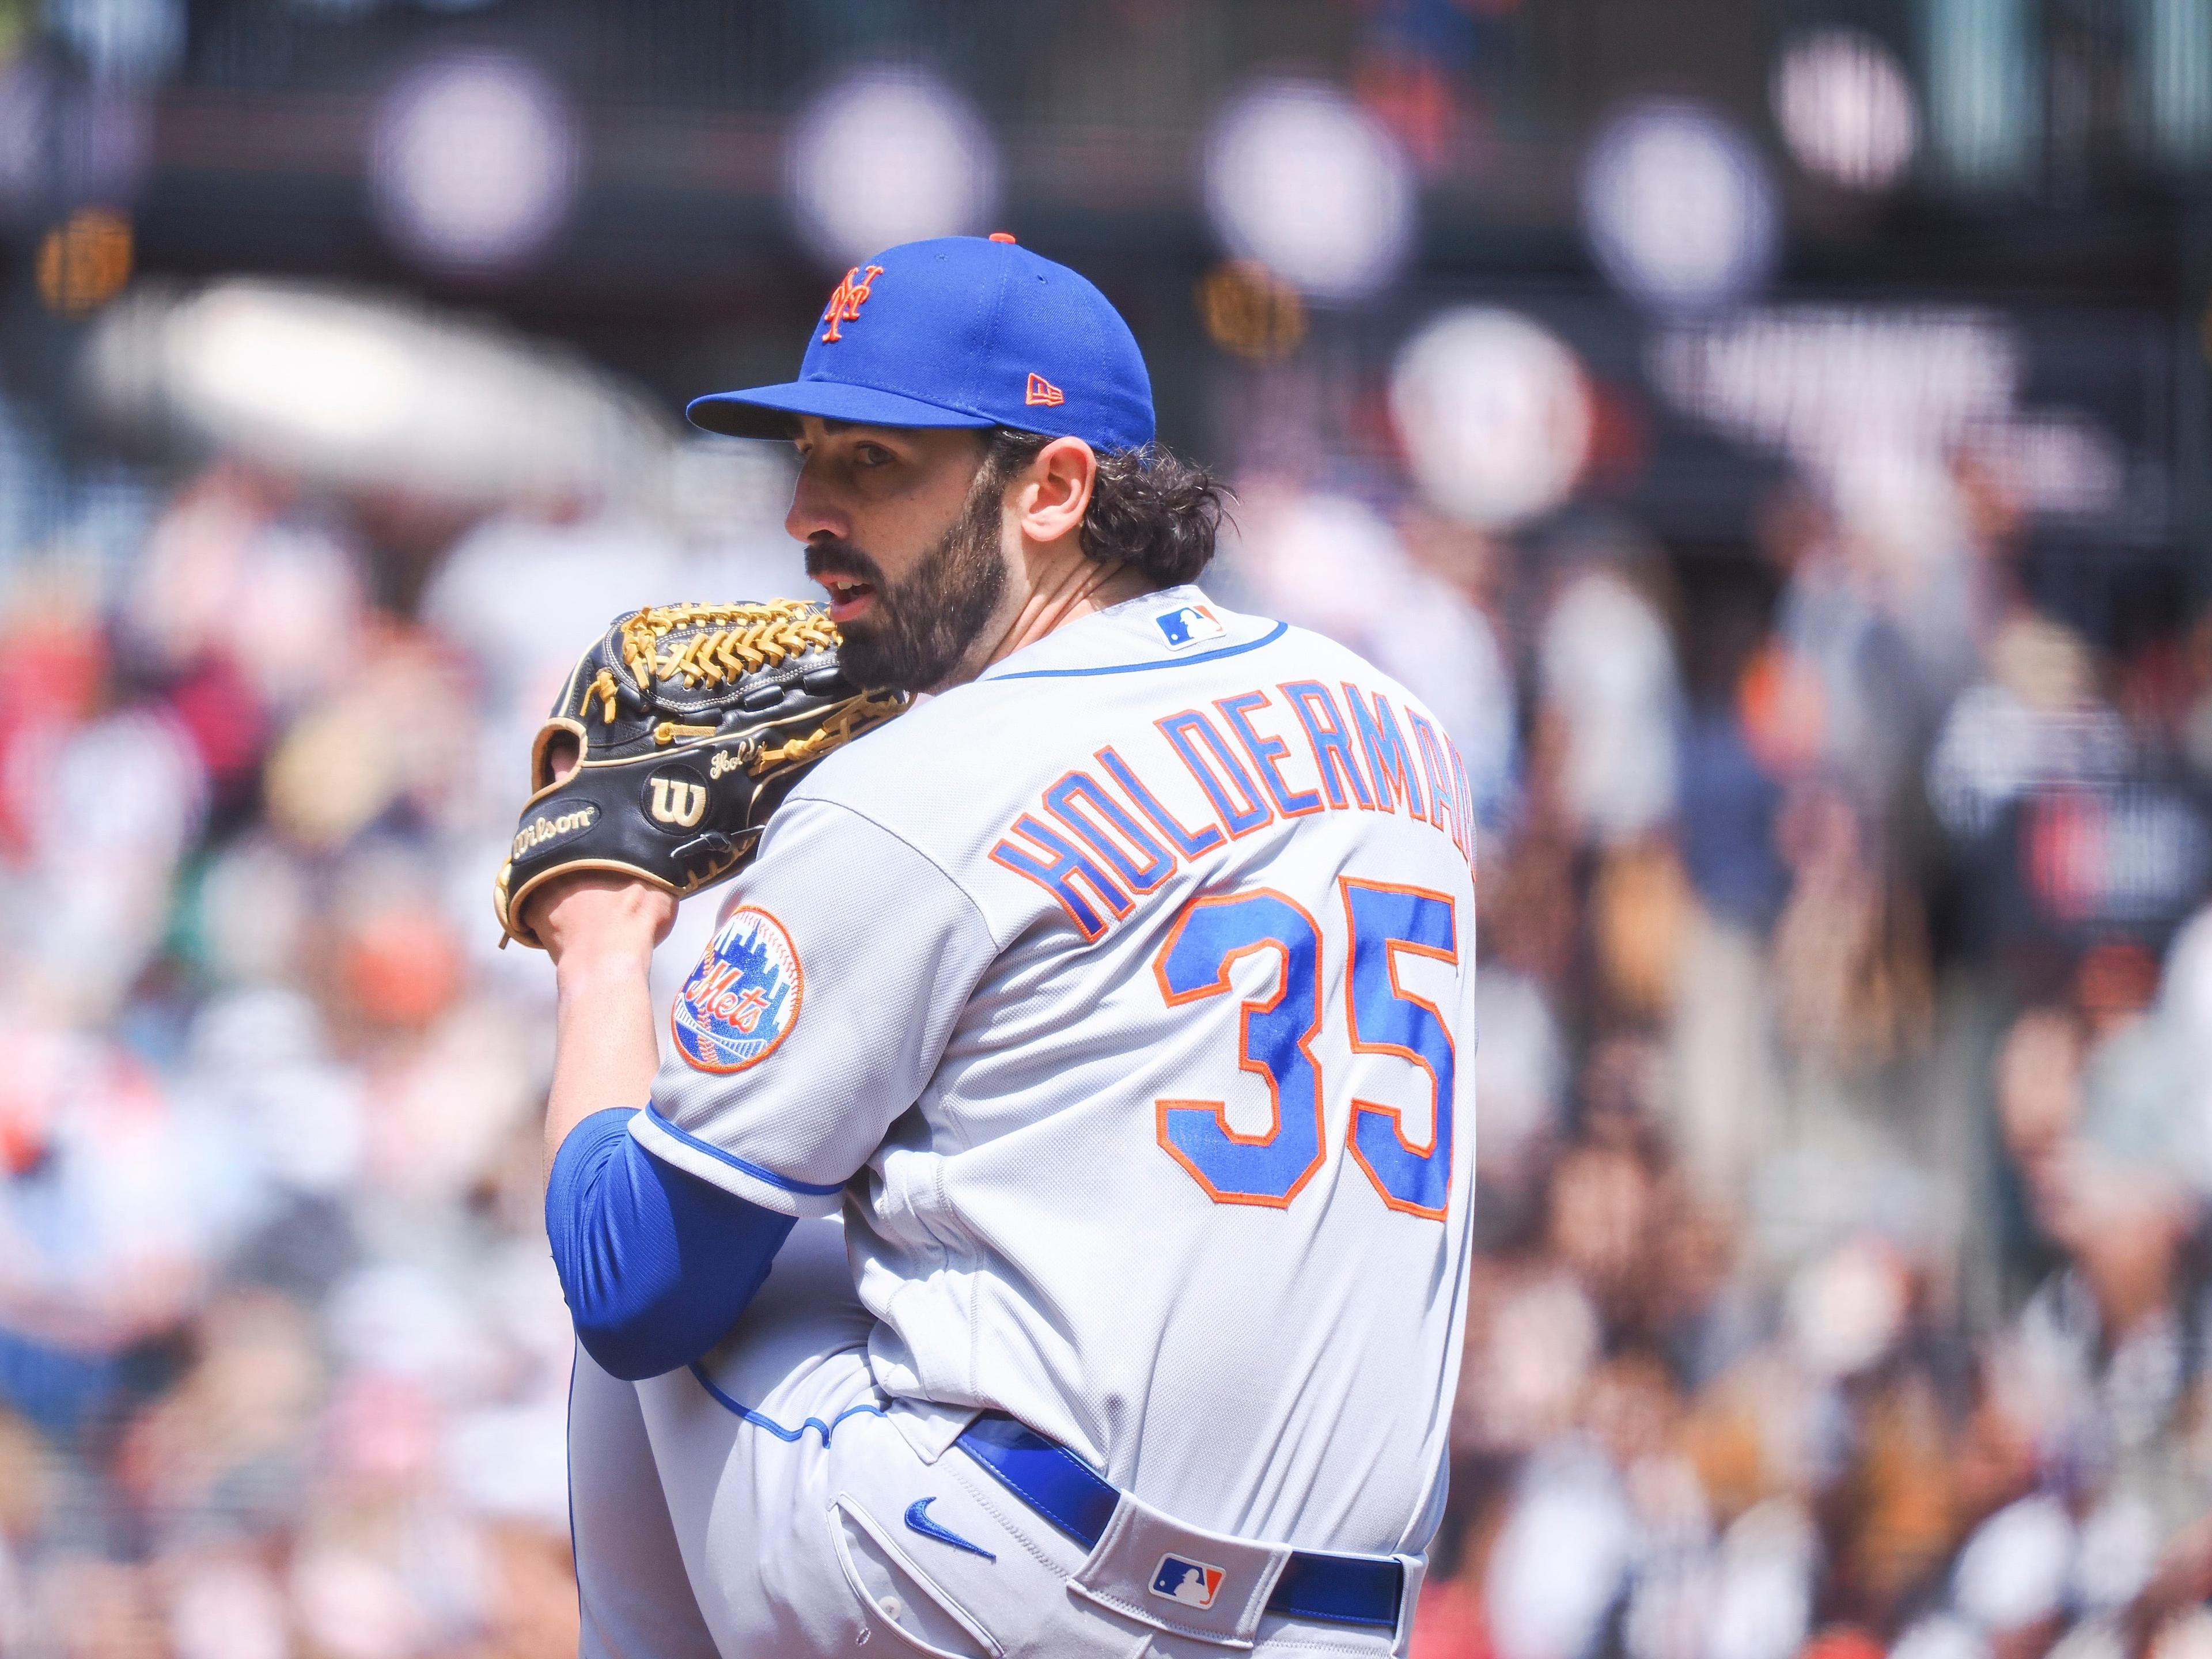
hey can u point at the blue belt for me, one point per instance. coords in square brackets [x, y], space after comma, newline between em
[1343, 1590]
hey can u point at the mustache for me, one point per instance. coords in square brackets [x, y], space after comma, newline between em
[827, 558]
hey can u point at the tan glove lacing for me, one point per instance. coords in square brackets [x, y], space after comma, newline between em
[842, 726]
[732, 641]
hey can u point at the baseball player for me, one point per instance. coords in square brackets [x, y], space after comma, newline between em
[1047, 1232]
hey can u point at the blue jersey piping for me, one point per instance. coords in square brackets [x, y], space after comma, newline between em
[1269, 638]
[789, 1437]
[782, 1182]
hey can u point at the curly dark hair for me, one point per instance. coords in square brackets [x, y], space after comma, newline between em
[1149, 507]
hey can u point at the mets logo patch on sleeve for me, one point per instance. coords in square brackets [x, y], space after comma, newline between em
[1194, 1584]
[743, 998]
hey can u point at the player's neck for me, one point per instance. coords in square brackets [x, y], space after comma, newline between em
[1065, 586]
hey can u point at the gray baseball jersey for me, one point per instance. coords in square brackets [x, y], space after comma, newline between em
[1122, 1000]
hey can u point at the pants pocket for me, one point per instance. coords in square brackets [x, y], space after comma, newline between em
[895, 1592]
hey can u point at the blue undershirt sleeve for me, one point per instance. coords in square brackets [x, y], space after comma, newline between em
[656, 1264]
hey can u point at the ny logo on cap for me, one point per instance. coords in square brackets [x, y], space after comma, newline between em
[847, 298]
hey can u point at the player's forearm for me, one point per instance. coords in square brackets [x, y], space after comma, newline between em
[603, 1050]
[655, 1264]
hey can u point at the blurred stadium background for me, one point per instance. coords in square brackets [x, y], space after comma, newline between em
[1778, 437]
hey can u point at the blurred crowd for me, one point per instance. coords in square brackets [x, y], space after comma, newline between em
[1843, 1279]
[1842, 1282]
[284, 1364]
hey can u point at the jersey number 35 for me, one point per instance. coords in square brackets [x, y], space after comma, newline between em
[1278, 1032]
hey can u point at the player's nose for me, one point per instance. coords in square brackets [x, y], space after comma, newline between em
[814, 510]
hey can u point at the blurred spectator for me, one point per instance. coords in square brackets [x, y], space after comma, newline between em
[1606, 676]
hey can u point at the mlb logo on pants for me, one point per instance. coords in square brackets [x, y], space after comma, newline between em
[1186, 624]
[1191, 1583]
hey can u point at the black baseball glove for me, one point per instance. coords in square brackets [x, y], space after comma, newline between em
[692, 723]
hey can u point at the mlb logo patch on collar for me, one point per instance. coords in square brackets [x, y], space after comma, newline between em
[1194, 1584]
[1186, 624]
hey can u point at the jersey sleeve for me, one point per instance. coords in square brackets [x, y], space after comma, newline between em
[817, 1012]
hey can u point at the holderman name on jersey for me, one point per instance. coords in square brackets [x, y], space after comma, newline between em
[1100, 841]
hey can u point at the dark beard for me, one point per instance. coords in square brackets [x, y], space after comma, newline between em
[916, 634]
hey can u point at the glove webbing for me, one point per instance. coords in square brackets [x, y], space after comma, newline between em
[733, 639]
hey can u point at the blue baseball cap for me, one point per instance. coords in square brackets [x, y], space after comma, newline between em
[959, 330]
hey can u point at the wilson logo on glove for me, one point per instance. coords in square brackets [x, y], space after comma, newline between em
[678, 799]
[751, 698]
[542, 830]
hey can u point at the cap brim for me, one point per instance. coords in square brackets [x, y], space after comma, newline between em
[770, 411]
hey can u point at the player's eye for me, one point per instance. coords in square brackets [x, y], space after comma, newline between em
[873, 455]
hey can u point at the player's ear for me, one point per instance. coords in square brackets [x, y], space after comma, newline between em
[1055, 490]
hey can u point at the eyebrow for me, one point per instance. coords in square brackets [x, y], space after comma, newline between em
[831, 428]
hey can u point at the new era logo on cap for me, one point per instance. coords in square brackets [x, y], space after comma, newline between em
[1042, 391]
[1194, 1584]
[1186, 624]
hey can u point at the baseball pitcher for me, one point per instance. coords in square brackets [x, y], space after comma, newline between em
[1047, 1234]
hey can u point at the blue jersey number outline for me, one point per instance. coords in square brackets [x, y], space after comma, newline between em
[1274, 1042]
[1276, 1034]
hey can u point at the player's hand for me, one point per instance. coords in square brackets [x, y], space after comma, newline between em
[598, 915]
